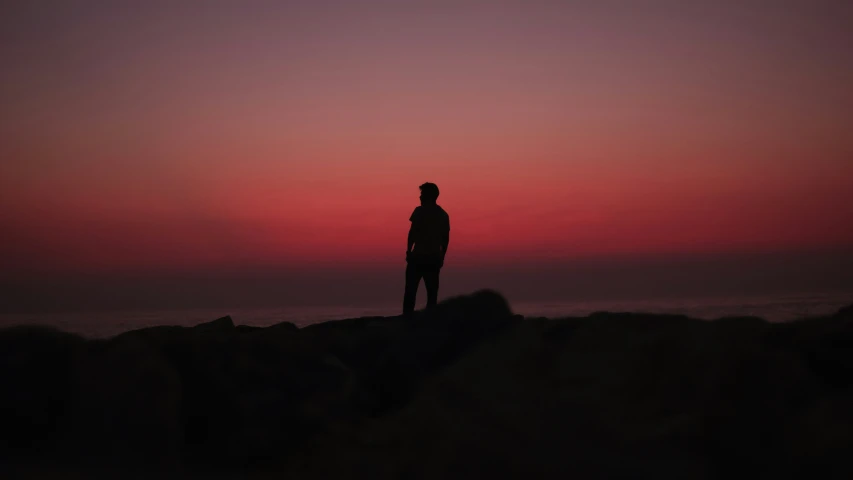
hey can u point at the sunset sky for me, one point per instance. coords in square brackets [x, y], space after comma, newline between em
[150, 140]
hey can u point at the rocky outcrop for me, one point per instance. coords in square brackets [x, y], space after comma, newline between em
[466, 389]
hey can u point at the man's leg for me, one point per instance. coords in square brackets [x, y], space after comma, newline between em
[413, 279]
[431, 284]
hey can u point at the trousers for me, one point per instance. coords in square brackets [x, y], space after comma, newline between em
[421, 267]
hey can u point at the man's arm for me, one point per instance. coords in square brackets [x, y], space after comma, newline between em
[411, 240]
[445, 241]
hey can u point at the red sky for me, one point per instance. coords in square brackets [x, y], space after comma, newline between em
[147, 137]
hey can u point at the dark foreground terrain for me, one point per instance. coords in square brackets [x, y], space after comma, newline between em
[471, 391]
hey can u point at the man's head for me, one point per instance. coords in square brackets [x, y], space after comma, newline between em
[429, 193]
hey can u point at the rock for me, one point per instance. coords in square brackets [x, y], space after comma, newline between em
[126, 406]
[36, 387]
[287, 326]
[845, 312]
[224, 324]
[246, 328]
[466, 387]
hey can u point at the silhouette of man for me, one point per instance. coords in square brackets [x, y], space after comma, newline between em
[429, 235]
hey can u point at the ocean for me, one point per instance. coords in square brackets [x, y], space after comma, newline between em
[774, 308]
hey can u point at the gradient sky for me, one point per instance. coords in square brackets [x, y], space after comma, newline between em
[149, 138]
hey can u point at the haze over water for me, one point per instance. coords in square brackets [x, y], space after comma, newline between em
[101, 324]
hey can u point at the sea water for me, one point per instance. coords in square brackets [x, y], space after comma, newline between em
[774, 308]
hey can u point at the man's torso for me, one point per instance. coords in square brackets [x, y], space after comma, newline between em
[430, 224]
